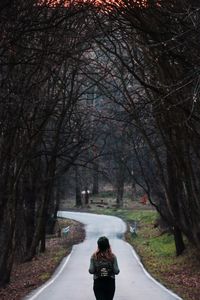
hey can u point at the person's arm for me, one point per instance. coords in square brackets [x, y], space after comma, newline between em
[92, 266]
[115, 266]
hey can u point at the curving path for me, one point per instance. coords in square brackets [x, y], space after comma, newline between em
[72, 280]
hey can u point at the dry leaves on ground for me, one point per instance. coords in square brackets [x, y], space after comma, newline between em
[28, 276]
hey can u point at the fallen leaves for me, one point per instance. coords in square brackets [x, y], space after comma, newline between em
[30, 275]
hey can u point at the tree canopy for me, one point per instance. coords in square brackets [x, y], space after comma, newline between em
[114, 84]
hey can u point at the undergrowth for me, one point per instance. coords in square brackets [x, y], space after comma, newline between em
[158, 254]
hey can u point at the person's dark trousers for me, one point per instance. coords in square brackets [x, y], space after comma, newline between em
[104, 288]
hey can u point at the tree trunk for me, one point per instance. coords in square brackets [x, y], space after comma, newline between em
[86, 196]
[78, 188]
[30, 217]
[20, 227]
[120, 184]
[39, 234]
[133, 191]
[40, 230]
[43, 234]
[95, 189]
[57, 201]
[120, 188]
[179, 243]
[120, 193]
[7, 242]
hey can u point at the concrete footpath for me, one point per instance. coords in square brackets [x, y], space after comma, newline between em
[72, 281]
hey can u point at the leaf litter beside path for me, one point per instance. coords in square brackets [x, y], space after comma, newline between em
[157, 252]
[28, 276]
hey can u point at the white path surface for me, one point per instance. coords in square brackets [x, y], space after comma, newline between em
[72, 280]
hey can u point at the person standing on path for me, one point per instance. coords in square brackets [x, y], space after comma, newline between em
[104, 267]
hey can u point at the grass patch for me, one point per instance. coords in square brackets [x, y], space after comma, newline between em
[143, 216]
[59, 255]
[105, 194]
[158, 254]
[45, 276]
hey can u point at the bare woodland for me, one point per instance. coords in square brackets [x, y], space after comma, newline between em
[110, 89]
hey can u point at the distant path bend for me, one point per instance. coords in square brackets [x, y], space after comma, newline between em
[73, 282]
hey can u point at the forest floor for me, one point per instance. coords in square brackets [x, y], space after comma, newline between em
[156, 249]
[180, 274]
[28, 276]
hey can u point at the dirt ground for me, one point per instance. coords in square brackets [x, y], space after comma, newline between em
[28, 276]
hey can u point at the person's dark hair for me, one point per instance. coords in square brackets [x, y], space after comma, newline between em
[104, 249]
[103, 243]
